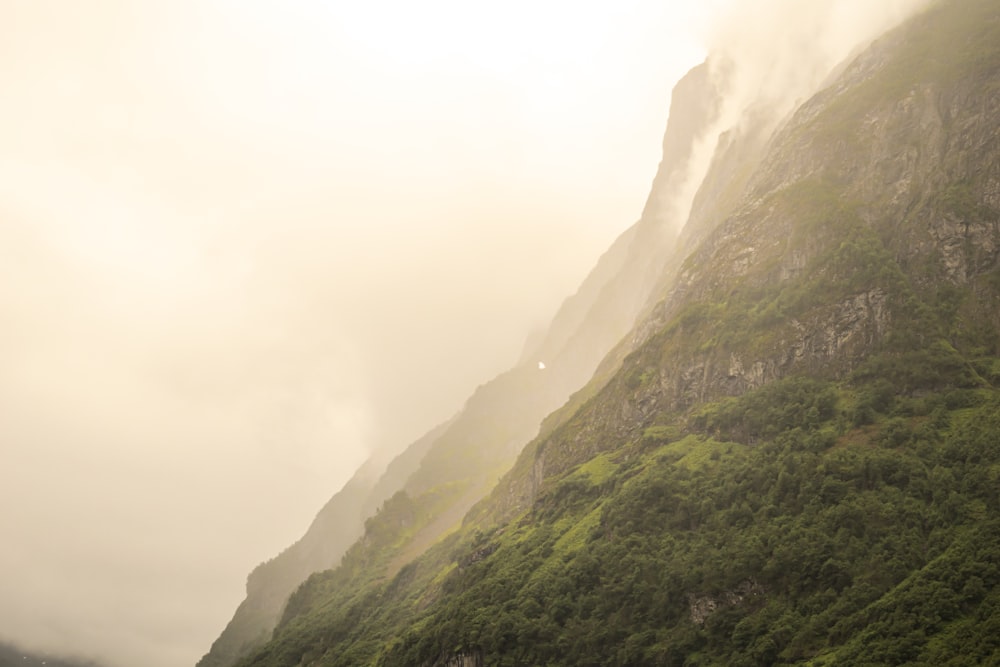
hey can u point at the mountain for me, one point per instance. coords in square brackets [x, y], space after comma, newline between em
[337, 525]
[791, 457]
[442, 475]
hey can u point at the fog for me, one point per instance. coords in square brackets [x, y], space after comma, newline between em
[769, 56]
[247, 244]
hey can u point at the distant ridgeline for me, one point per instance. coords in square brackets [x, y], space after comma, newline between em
[788, 449]
[12, 656]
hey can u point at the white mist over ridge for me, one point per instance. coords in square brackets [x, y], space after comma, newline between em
[768, 57]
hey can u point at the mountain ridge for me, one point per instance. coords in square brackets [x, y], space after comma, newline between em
[748, 480]
[510, 409]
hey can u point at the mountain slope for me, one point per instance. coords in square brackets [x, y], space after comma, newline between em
[796, 460]
[444, 473]
[336, 527]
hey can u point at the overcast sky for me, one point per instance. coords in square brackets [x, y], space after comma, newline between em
[242, 243]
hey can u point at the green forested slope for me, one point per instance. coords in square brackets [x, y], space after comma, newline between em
[828, 542]
[799, 464]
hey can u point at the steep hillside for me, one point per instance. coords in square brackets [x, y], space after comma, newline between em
[795, 460]
[336, 527]
[444, 473]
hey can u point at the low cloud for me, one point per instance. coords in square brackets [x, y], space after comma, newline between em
[246, 244]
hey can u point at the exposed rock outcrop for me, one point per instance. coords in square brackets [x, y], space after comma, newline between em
[702, 606]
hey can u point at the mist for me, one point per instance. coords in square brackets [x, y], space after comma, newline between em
[768, 57]
[247, 245]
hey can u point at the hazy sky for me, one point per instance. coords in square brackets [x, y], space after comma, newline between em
[243, 242]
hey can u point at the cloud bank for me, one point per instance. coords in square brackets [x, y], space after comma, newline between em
[245, 244]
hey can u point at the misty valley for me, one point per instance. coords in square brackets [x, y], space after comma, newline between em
[768, 438]
[764, 429]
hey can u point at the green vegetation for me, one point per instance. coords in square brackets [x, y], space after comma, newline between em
[864, 545]
[795, 402]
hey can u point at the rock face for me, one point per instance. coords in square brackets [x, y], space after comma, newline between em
[464, 660]
[878, 193]
[705, 605]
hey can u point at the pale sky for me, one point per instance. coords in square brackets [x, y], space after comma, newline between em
[243, 243]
